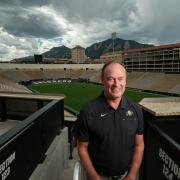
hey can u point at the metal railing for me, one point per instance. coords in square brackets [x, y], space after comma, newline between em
[79, 172]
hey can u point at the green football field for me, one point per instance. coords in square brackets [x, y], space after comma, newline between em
[78, 94]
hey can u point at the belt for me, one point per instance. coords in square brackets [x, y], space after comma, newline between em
[118, 177]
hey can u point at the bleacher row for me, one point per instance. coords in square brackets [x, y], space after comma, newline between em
[9, 77]
[9, 86]
[26, 75]
[154, 81]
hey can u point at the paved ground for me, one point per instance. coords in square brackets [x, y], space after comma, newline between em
[68, 172]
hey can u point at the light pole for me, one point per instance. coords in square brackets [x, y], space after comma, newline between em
[113, 35]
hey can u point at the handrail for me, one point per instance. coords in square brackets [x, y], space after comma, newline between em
[79, 172]
[76, 171]
[73, 111]
[31, 137]
[165, 136]
[26, 123]
[15, 137]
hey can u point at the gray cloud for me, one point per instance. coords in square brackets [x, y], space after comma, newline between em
[25, 22]
[35, 3]
[43, 24]
[158, 22]
[23, 3]
[87, 11]
[3, 49]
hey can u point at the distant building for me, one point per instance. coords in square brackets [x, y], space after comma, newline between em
[56, 61]
[164, 58]
[116, 55]
[78, 54]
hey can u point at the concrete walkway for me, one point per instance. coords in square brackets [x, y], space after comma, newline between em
[68, 172]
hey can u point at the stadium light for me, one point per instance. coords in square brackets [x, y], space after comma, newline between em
[113, 35]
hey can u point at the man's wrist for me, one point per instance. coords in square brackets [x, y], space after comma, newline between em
[131, 176]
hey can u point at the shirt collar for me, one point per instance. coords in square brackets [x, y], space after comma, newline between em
[122, 104]
[103, 101]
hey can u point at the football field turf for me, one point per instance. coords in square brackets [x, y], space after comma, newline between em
[78, 94]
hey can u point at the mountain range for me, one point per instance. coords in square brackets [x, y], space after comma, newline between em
[96, 50]
[93, 52]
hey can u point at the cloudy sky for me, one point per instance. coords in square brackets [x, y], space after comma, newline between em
[35, 26]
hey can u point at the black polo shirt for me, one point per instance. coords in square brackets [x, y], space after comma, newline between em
[110, 133]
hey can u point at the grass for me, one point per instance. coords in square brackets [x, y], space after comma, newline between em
[137, 96]
[78, 94]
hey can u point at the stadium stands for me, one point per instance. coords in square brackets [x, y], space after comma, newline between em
[11, 74]
[133, 76]
[54, 74]
[34, 74]
[9, 86]
[175, 89]
[143, 80]
[88, 73]
[166, 83]
[74, 73]
[154, 81]
[96, 77]
[14, 75]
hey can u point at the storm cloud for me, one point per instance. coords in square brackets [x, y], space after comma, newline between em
[35, 26]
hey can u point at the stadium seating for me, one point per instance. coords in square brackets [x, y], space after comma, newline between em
[6, 85]
[54, 73]
[88, 73]
[133, 76]
[11, 74]
[74, 73]
[96, 77]
[14, 75]
[143, 80]
[34, 74]
[175, 89]
[167, 83]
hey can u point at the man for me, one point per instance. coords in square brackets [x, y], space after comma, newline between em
[110, 130]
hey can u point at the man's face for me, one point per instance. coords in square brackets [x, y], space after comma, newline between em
[114, 80]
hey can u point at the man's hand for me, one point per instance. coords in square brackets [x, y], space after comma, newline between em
[86, 161]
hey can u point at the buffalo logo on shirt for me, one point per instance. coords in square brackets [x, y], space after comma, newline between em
[129, 113]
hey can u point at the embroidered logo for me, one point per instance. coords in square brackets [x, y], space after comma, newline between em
[129, 113]
[102, 115]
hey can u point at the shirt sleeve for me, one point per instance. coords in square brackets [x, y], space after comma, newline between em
[140, 129]
[82, 133]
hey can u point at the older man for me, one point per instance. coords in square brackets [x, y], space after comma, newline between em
[110, 130]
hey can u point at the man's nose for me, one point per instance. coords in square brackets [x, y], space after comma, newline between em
[115, 81]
